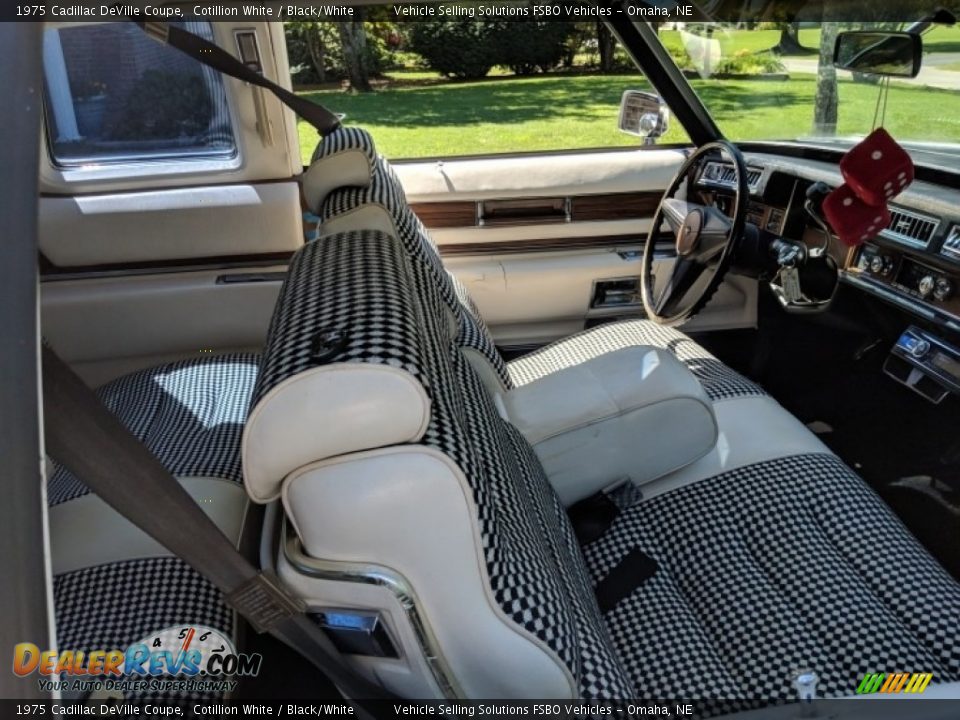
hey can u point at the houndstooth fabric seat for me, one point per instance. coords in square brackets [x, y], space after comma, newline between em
[748, 577]
[190, 415]
[364, 285]
[787, 565]
[385, 191]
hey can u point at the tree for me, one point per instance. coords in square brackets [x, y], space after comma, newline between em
[825, 102]
[317, 49]
[789, 39]
[606, 44]
[353, 38]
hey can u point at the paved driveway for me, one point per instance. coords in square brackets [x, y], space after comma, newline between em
[930, 75]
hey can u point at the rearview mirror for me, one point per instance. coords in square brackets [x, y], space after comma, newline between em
[643, 114]
[890, 54]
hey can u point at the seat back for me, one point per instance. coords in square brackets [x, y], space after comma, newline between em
[396, 471]
[375, 200]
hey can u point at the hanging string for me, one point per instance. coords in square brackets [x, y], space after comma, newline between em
[881, 96]
[886, 94]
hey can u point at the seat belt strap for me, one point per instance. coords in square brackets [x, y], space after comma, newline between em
[93, 444]
[592, 517]
[212, 55]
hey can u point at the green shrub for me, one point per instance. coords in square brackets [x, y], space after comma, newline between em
[468, 49]
[528, 47]
[744, 62]
[456, 48]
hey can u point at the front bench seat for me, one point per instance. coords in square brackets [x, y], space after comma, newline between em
[352, 187]
[791, 563]
[721, 588]
[113, 585]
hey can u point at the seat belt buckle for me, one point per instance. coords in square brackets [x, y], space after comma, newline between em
[264, 602]
[159, 31]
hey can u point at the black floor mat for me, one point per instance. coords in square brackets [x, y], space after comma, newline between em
[283, 674]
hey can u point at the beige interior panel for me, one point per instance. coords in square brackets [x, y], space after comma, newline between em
[106, 327]
[466, 236]
[574, 173]
[532, 298]
[171, 224]
[535, 298]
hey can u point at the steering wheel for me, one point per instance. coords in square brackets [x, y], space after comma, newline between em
[705, 239]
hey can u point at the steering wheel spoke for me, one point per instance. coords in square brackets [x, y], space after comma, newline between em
[686, 278]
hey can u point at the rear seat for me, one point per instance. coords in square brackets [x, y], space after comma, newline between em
[723, 587]
[113, 585]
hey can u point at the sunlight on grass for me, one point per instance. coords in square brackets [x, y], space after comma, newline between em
[573, 112]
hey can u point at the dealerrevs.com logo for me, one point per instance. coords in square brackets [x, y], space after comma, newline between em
[179, 658]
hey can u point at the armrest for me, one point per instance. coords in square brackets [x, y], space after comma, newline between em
[635, 413]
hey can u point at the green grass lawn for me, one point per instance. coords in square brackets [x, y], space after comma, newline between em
[439, 119]
[733, 40]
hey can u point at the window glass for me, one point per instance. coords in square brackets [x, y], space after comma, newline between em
[449, 86]
[115, 95]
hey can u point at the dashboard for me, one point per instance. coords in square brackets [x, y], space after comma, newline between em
[913, 263]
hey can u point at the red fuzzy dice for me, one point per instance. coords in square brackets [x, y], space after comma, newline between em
[852, 219]
[877, 168]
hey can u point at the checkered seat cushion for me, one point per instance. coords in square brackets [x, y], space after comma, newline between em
[113, 605]
[385, 191]
[190, 415]
[787, 565]
[362, 286]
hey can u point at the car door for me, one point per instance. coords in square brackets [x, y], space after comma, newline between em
[169, 201]
[548, 244]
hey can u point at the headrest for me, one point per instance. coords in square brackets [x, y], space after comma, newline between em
[342, 370]
[328, 411]
[345, 158]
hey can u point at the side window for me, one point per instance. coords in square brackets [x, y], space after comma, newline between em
[452, 80]
[115, 95]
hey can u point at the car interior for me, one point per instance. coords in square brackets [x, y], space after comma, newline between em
[592, 425]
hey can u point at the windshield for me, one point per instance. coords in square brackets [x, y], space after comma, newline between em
[776, 81]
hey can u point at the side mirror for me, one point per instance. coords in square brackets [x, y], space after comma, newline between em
[890, 54]
[643, 114]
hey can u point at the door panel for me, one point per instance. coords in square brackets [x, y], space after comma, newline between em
[577, 219]
[106, 327]
[136, 228]
[189, 223]
[580, 173]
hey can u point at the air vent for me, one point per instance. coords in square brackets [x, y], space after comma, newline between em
[724, 174]
[951, 246]
[910, 227]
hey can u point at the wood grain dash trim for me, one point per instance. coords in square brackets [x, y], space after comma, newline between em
[614, 206]
[510, 247]
[457, 213]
